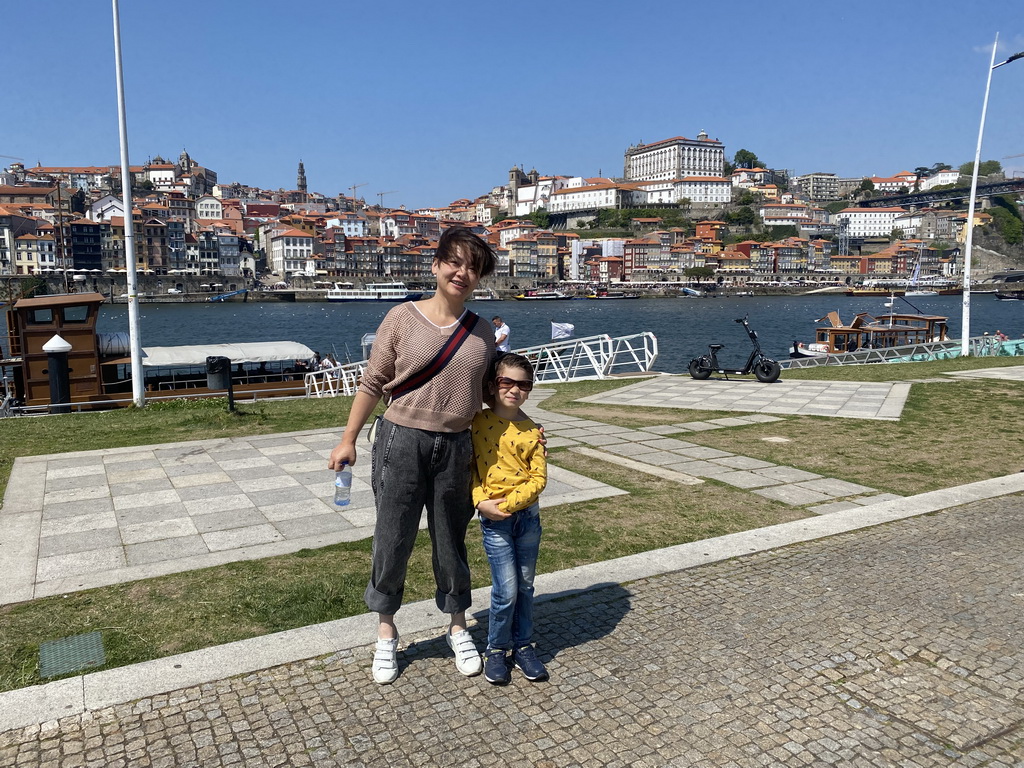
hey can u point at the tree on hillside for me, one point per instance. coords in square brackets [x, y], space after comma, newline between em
[866, 185]
[1007, 219]
[987, 168]
[744, 158]
[541, 218]
[744, 216]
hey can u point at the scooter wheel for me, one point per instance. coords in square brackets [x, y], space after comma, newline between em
[767, 371]
[700, 368]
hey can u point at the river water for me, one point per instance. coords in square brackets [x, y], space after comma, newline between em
[684, 326]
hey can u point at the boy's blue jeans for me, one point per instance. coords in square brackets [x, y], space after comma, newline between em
[511, 546]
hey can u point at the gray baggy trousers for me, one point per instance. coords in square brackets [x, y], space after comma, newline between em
[413, 468]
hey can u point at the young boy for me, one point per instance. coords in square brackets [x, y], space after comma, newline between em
[509, 473]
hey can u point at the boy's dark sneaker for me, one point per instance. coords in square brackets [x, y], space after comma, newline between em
[495, 667]
[526, 659]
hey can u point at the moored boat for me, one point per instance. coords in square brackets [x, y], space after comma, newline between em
[536, 295]
[604, 293]
[865, 331]
[372, 292]
[485, 294]
[99, 371]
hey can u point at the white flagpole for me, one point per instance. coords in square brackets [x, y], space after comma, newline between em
[138, 385]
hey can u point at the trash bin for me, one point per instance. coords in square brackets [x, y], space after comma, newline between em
[218, 372]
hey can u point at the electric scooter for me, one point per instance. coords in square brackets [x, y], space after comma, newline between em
[763, 367]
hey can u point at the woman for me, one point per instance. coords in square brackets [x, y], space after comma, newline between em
[422, 450]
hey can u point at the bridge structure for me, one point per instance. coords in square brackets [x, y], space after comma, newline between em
[924, 199]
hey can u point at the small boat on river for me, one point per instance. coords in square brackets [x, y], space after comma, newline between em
[537, 295]
[485, 294]
[865, 331]
[605, 293]
[372, 292]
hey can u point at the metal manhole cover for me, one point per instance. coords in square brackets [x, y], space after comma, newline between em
[950, 707]
[71, 654]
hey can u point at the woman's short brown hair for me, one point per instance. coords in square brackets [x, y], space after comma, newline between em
[459, 240]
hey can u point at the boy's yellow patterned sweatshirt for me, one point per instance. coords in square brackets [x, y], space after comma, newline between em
[508, 461]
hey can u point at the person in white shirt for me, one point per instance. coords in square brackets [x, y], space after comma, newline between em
[501, 335]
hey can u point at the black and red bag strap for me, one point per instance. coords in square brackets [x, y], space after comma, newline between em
[466, 324]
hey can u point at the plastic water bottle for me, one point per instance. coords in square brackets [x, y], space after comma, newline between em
[343, 485]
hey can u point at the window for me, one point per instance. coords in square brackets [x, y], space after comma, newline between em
[41, 317]
[76, 314]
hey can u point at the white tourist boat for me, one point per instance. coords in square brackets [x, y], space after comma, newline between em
[372, 292]
[535, 295]
[485, 294]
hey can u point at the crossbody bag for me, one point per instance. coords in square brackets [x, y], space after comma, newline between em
[465, 327]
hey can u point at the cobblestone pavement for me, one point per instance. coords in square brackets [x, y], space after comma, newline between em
[897, 645]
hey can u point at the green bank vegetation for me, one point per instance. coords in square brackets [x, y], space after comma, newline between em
[951, 433]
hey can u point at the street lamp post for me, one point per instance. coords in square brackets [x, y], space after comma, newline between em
[965, 329]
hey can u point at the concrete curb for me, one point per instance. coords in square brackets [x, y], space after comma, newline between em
[84, 693]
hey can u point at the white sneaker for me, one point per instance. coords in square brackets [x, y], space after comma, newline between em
[385, 661]
[467, 659]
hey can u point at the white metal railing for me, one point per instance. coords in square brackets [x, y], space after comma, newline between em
[978, 346]
[593, 357]
[331, 382]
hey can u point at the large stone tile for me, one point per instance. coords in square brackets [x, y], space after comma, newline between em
[146, 486]
[218, 504]
[237, 538]
[90, 521]
[79, 563]
[273, 483]
[787, 474]
[832, 487]
[299, 527]
[76, 494]
[200, 479]
[281, 495]
[165, 549]
[232, 518]
[161, 529]
[69, 483]
[145, 499]
[248, 462]
[79, 540]
[793, 495]
[57, 471]
[116, 474]
[293, 510]
[152, 514]
[209, 492]
[741, 479]
[75, 508]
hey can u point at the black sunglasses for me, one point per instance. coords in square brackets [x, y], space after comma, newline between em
[504, 382]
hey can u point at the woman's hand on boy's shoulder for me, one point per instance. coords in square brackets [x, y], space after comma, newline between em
[489, 508]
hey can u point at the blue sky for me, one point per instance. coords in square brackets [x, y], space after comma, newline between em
[437, 101]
